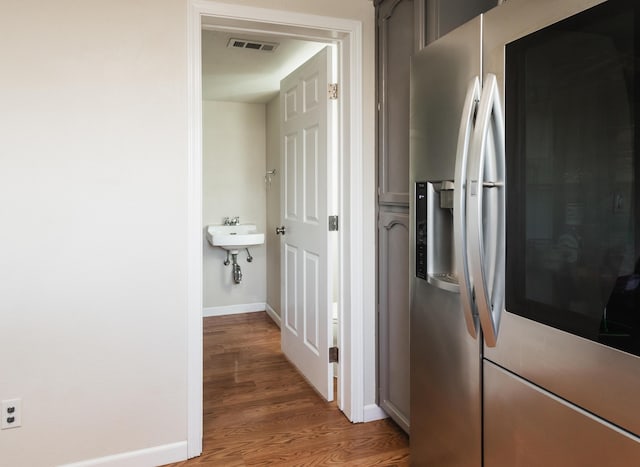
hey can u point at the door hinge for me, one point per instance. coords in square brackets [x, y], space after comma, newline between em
[333, 91]
[333, 223]
[333, 354]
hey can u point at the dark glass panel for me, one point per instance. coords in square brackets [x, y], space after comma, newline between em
[572, 169]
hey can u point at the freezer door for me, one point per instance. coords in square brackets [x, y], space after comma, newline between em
[440, 77]
[445, 382]
[445, 360]
[518, 431]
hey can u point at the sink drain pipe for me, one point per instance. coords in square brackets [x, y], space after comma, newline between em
[237, 272]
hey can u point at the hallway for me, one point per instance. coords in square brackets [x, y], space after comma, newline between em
[259, 411]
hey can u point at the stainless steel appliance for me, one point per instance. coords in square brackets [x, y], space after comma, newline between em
[525, 290]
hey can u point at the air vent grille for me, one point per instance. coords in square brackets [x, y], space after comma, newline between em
[251, 44]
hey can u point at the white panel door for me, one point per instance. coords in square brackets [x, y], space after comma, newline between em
[306, 117]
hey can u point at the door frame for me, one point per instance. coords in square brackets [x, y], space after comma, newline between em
[347, 34]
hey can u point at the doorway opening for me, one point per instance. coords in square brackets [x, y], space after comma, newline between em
[347, 36]
[254, 176]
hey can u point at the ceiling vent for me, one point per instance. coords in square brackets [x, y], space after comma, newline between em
[251, 44]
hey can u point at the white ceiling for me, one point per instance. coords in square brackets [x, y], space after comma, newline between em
[246, 75]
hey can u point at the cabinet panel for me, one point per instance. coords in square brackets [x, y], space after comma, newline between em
[396, 41]
[443, 16]
[393, 234]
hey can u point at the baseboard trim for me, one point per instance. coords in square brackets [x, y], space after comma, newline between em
[373, 412]
[233, 309]
[159, 455]
[273, 315]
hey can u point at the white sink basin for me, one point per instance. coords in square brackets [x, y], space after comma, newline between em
[234, 237]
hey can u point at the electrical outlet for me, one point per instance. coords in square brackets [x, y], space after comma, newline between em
[11, 414]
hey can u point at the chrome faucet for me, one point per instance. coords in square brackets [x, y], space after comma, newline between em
[231, 220]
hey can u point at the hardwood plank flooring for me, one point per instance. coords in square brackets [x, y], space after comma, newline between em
[258, 410]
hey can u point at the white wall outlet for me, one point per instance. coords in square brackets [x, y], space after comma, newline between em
[11, 414]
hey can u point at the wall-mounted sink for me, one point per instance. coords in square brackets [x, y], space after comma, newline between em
[234, 237]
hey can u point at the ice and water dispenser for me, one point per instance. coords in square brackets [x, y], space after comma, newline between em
[435, 255]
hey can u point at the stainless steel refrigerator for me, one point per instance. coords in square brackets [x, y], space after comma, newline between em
[525, 269]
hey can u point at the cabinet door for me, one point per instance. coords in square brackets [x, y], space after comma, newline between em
[396, 42]
[399, 33]
[393, 238]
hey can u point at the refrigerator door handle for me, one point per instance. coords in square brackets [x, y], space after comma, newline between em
[486, 210]
[459, 205]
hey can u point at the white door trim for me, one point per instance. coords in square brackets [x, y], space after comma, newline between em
[194, 236]
[348, 35]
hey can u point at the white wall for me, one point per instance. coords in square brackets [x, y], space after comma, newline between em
[273, 205]
[93, 252]
[93, 205]
[234, 156]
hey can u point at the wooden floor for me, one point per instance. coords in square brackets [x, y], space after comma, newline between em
[259, 411]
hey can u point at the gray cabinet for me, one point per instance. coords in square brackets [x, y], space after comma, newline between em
[396, 44]
[393, 290]
[396, 41]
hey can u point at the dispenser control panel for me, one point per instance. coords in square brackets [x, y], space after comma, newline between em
[421, 230]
